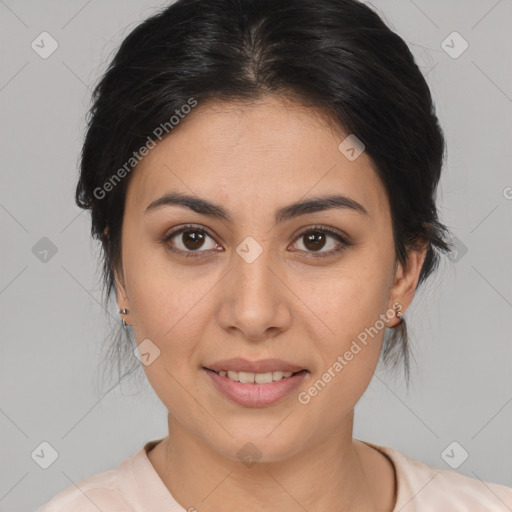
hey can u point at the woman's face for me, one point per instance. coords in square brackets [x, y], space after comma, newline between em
[264, 280]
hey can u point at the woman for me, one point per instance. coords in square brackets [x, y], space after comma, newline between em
[262, 176]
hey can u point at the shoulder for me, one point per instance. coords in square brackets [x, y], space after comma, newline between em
[97, 492]
[132, 485]
[421, 487]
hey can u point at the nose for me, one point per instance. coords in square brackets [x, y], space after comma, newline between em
[255, 301]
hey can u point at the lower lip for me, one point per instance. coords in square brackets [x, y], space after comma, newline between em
[256, 395]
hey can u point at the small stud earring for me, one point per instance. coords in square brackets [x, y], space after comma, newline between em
[123, 311]
[399, 314]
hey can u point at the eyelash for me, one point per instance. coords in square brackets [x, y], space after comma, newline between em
[344, 244]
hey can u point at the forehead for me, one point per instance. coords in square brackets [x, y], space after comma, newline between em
[243, 154]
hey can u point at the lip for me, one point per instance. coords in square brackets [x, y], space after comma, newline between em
[239, 364]
[256, 395]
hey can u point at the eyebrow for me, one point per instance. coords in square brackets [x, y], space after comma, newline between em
[204, 207]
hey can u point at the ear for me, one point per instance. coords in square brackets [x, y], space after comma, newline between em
[406, 280]
[121, 295]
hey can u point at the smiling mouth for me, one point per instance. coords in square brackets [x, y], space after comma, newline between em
[255, 378]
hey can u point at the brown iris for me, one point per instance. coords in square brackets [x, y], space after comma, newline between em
[193, 239]
[314, 241]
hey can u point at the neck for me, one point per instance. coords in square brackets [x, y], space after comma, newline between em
[325, 476]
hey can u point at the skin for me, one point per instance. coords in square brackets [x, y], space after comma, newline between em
[253, 159]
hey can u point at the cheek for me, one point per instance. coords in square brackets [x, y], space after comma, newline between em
[353, 308]
[171, 308]
[169, 312]
[166, 311]
[352, 299]
[159, 292]
[348, 357]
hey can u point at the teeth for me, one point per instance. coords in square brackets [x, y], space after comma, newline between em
[264, 378]
[277, 375]
[255, 378]
[246, 377]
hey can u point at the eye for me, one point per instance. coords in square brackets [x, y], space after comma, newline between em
[317, 238]
[189, 240]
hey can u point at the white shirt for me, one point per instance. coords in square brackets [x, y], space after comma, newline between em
[135, 486]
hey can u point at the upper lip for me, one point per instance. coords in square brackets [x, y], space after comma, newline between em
[240, 364]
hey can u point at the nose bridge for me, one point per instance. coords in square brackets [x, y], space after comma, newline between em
[252, 263]
[255, 301]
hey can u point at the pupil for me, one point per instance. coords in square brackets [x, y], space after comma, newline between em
[193, 239]
[313, 239]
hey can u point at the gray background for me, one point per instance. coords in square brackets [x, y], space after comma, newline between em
[53, 325]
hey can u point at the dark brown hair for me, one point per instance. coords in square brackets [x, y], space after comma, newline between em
[337, 55]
